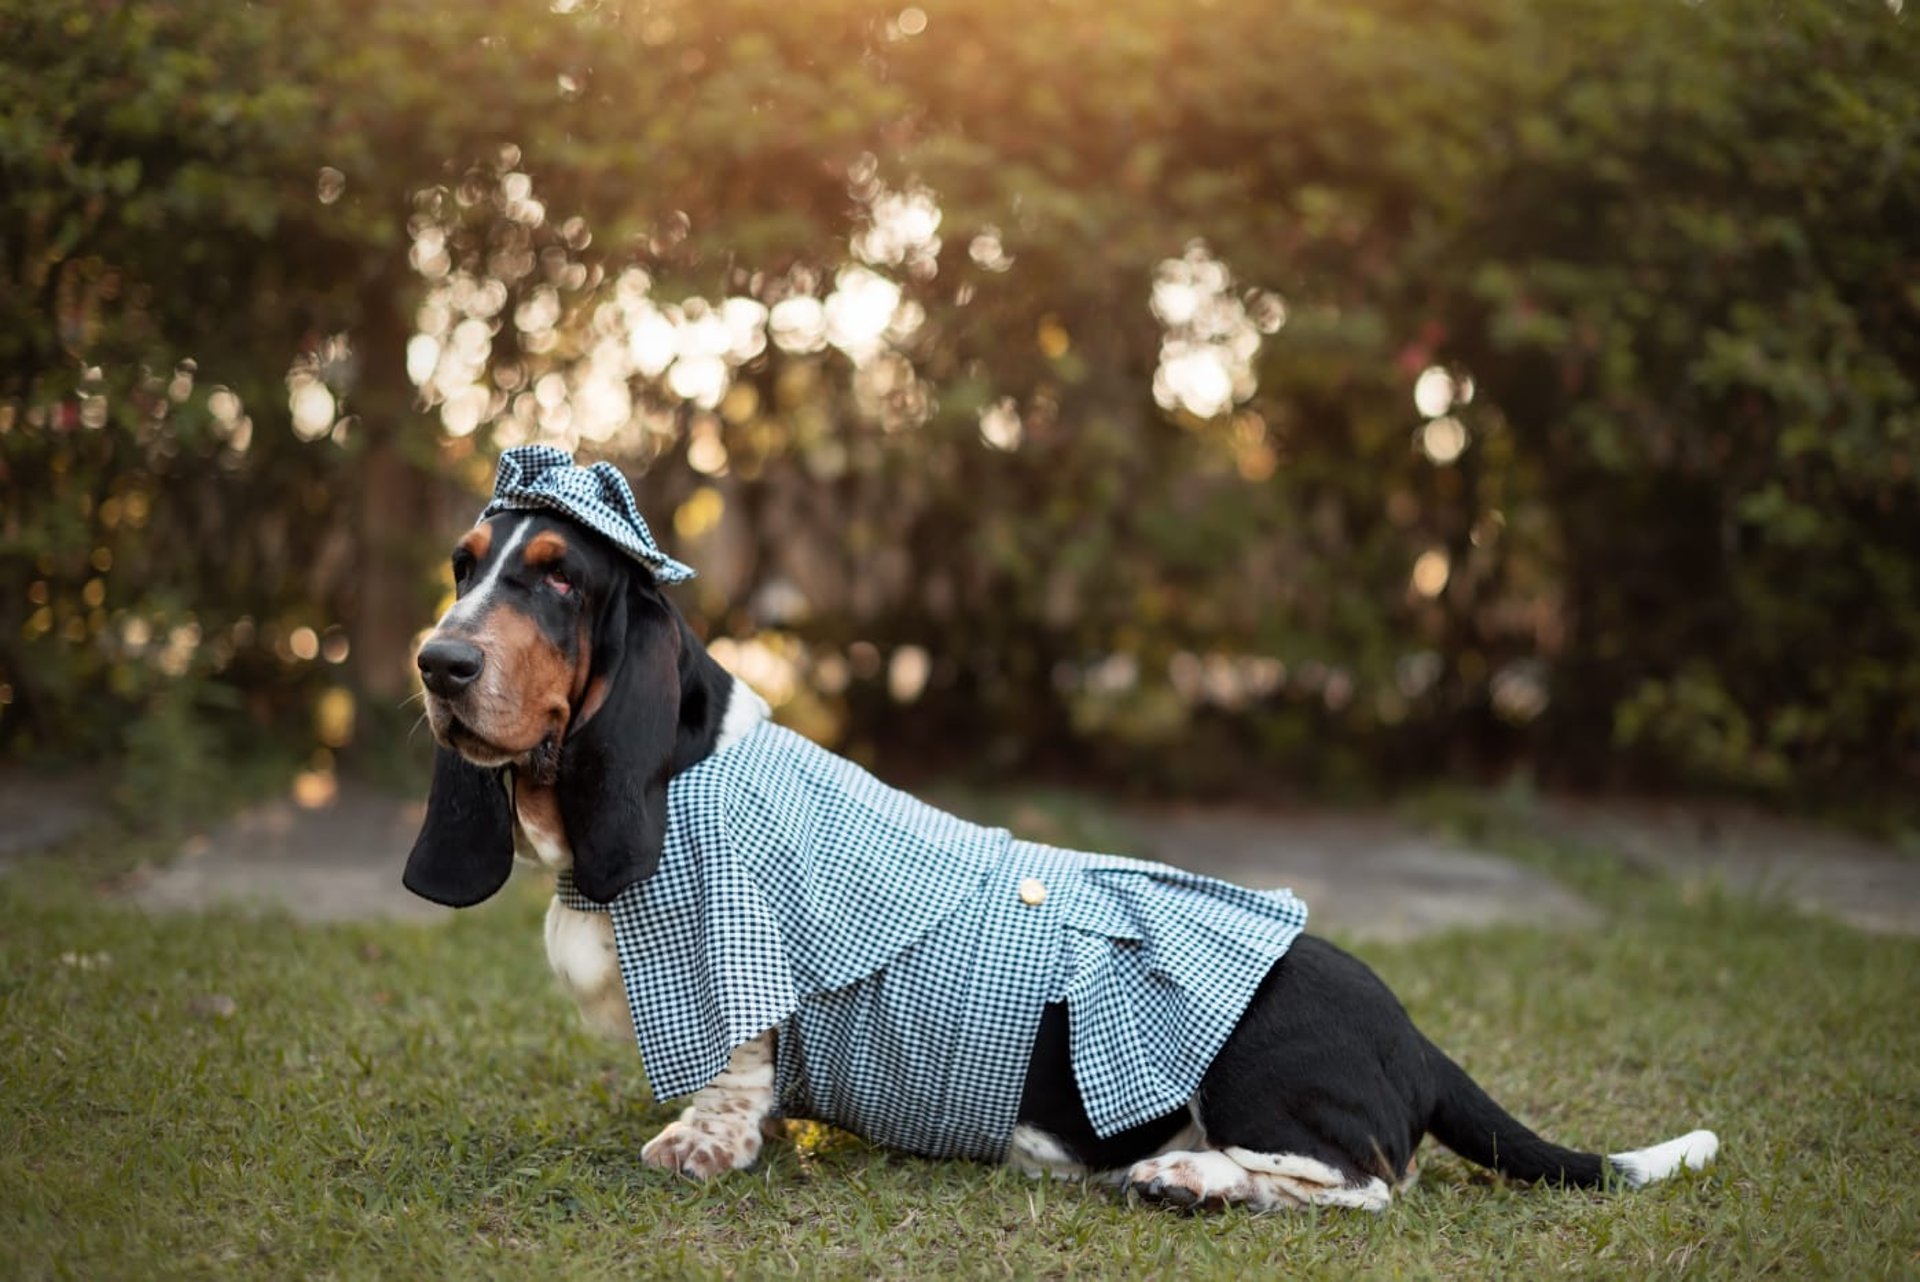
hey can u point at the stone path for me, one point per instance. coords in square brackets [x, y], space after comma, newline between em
[340, 862]
[1871, 886]
[1364, 874]
[39, 811]
[1363, 877]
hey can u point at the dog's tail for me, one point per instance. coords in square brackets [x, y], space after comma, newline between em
[1466, 1120]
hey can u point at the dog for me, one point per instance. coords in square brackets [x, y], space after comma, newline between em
[1186, 1041]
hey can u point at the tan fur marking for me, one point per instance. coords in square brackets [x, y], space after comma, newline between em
[538, 810]
[478, 541]
[589, 703]
[540, 680]
[545, 548]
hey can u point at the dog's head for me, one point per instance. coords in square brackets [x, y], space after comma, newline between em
[561, 664]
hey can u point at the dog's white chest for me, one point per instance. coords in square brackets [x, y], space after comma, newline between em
[580, 947]
[580, 950]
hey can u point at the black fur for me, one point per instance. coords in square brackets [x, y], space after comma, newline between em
[1050, 1100]
[1324, 1063]
[1466, 1120]
[665, 700]
[464, 852]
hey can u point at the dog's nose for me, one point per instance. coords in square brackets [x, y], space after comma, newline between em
[448, 666]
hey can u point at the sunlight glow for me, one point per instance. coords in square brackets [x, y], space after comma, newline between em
[312, 407]
[1196, 377]
[907, 673]
[699, 379]
[1519, 691]
[593, 362]
[902, 229]
[1431, 572]
[768, 662]
[1210, 336]
[746, 321]
[1443, 440]
[700, 513]
[651, 340]
[315, 789]
[706, 452]
[423, 357]
[859, 312]
[799, 324]
[1433, 392]
[1224, 680]
[1000, 425]
[988, 252]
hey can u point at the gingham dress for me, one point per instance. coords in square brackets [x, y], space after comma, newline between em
[902, 956]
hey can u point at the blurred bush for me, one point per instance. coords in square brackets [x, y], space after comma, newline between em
[1209, 396]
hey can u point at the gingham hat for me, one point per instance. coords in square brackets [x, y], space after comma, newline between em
[539, 477]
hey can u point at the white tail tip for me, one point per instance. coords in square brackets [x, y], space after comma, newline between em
[1648, 1165]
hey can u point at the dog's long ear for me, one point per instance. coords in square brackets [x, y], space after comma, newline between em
[464, 852]
[614, 767]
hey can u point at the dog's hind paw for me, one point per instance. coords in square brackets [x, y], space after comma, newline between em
[1209, 1179]
[1191, 1179]
[704, 1146]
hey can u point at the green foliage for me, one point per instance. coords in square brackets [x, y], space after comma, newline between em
[1671, 248]
[178, 259]
[175, 767]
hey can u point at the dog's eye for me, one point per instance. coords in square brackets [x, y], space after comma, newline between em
[559, 582]
[462, 567]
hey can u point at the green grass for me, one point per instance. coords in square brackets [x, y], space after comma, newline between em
[242, 1098]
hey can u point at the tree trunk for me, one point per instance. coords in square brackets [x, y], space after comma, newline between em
[392, 502]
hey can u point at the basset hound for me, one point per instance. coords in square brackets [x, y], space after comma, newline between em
[573, 706]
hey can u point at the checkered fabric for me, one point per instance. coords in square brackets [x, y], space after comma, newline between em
[542, 478]
[903, 956]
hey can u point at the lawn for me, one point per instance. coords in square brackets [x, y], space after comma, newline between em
[233, 1097]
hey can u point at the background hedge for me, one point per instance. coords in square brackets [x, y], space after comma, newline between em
[1218, 396]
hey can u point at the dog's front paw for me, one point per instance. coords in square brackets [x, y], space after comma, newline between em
[704, 1146]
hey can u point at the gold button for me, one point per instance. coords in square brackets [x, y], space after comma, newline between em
[1033, 892]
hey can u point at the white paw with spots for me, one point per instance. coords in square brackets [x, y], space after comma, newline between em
[1257, 1181]
[703, 1145]
[1202, 1178]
